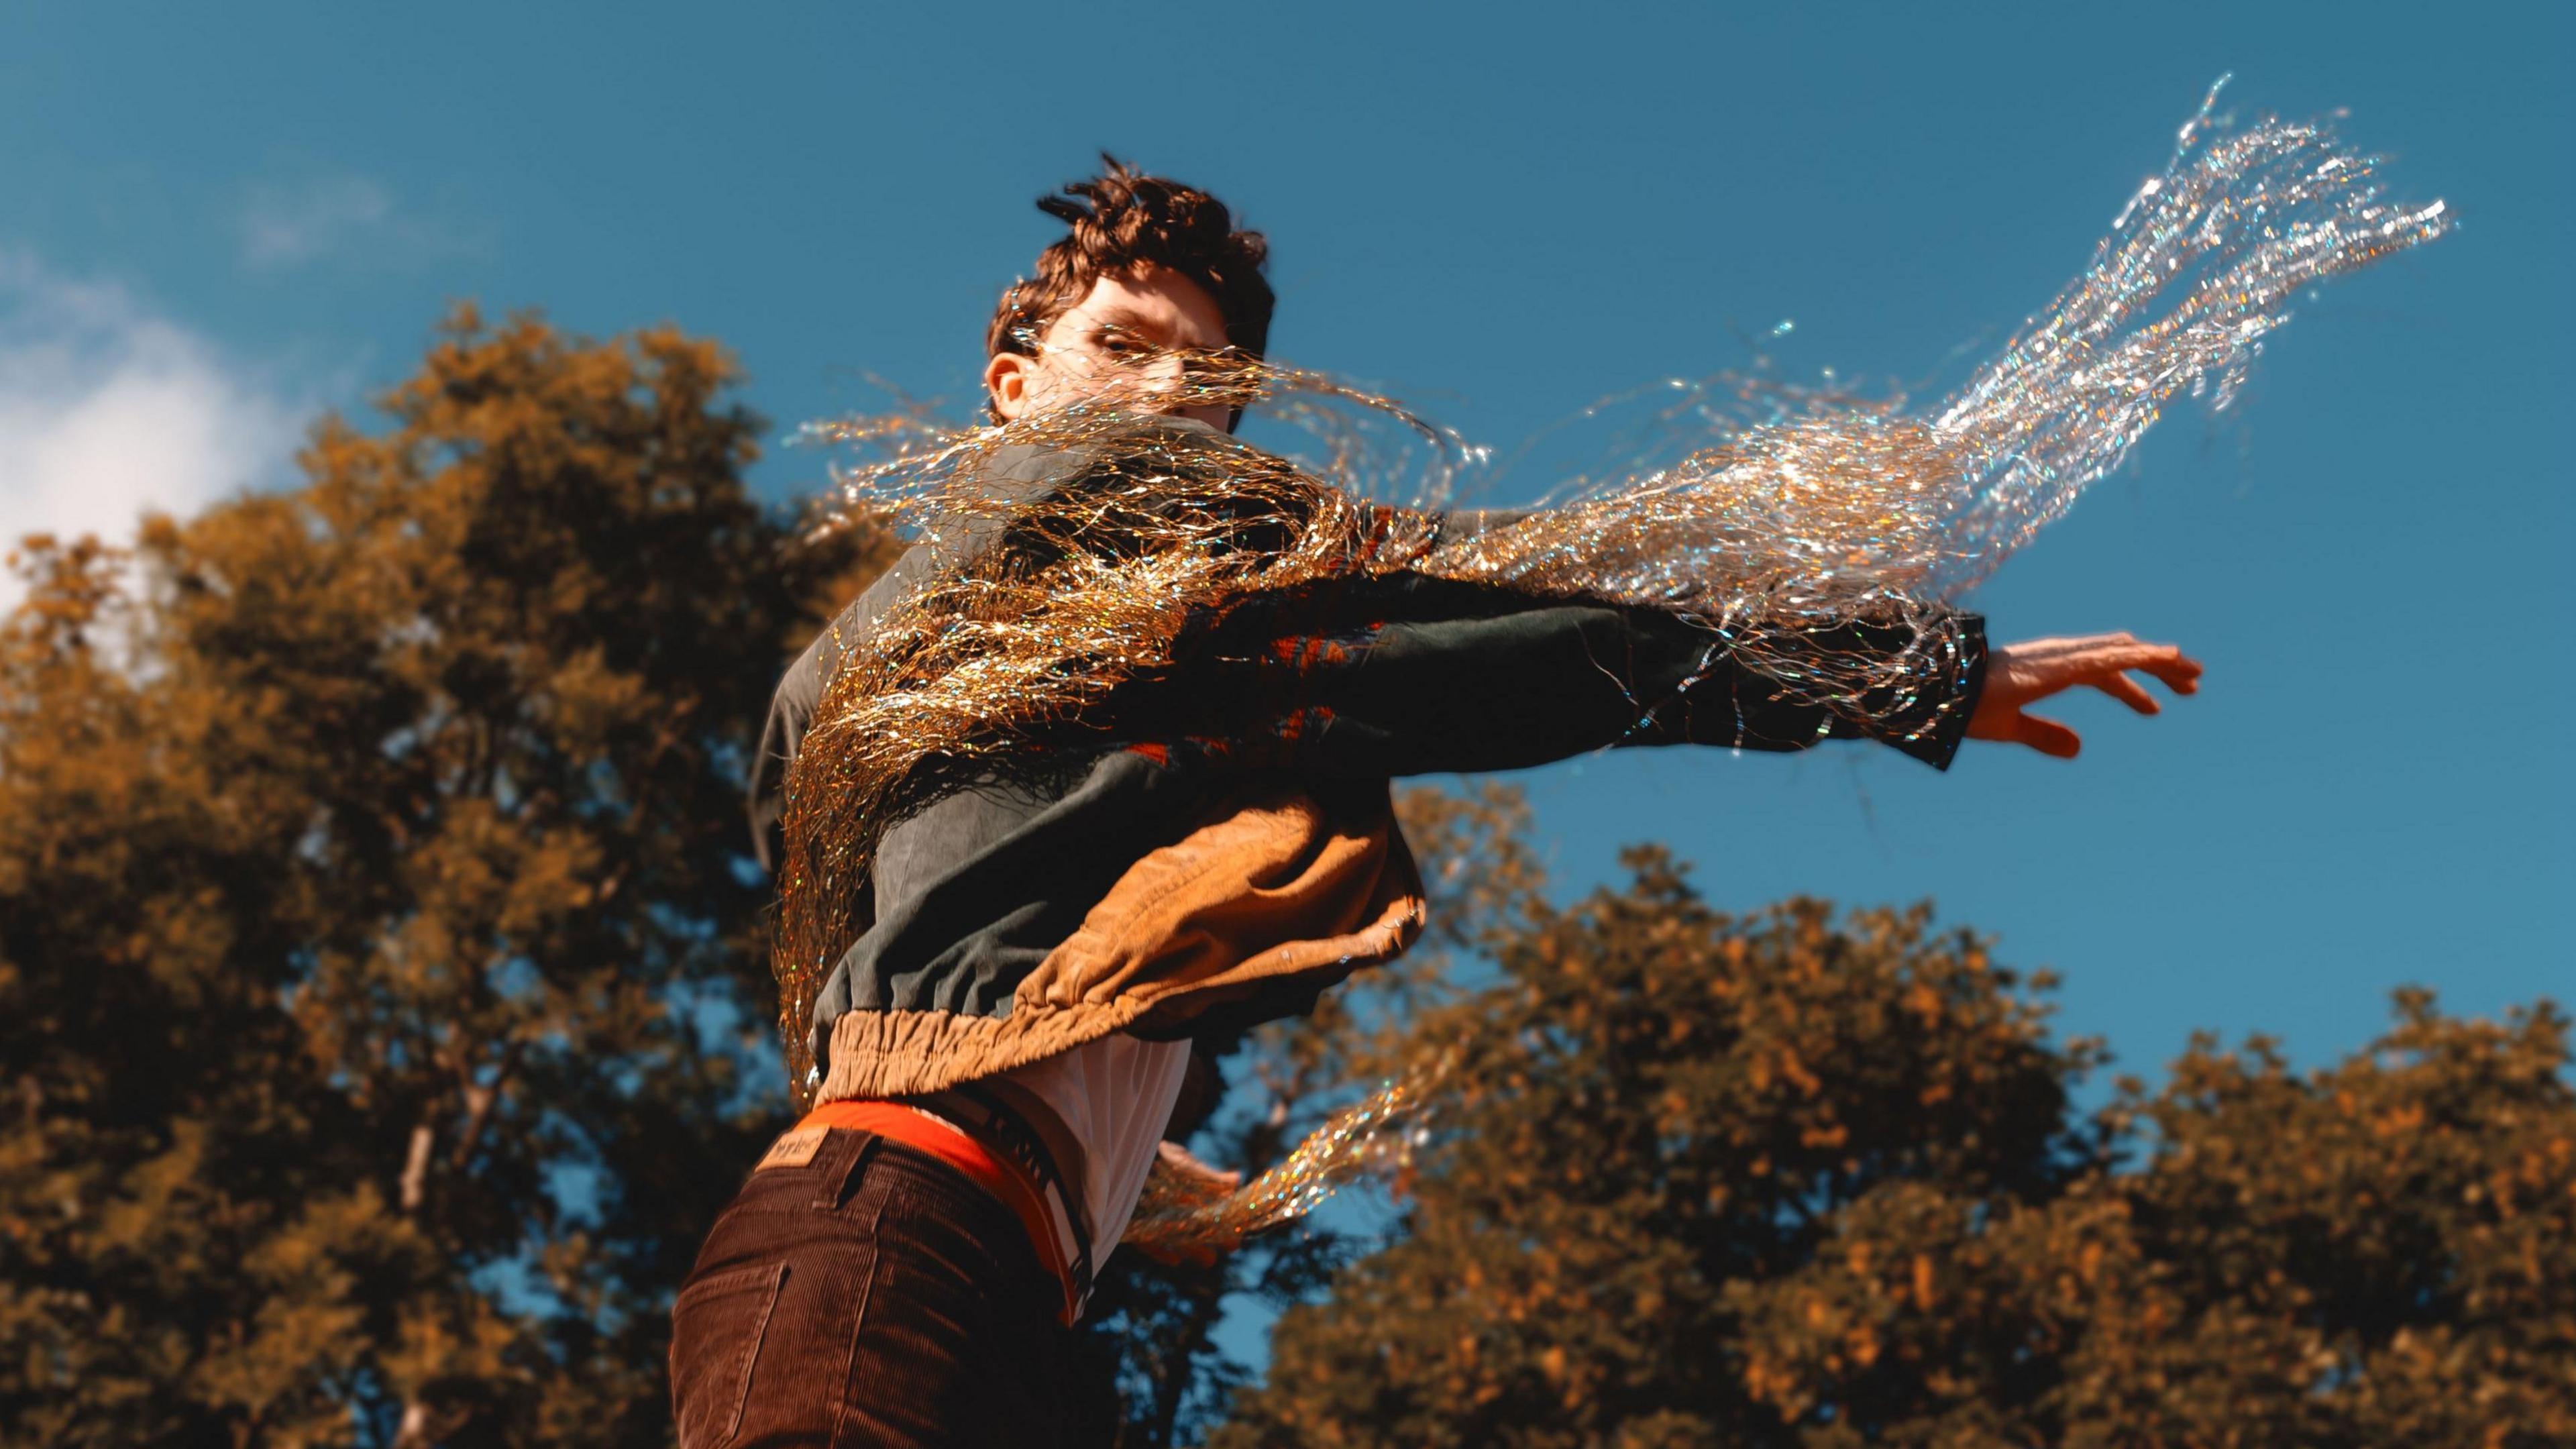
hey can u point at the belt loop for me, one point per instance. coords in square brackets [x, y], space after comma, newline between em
[841, 1179]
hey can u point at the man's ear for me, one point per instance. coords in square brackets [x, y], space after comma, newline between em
[1007, 376]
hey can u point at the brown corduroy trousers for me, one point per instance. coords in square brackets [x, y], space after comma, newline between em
[869, 1295]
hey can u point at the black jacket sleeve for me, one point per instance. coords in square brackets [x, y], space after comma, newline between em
[1409, 674]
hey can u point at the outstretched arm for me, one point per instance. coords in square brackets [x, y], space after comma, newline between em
[1408, 674]
[2016, 675]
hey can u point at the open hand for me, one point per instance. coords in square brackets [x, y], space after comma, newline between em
[2020, 674]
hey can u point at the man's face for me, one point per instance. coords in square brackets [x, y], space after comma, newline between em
[1100, 340]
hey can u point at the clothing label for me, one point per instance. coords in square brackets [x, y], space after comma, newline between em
[795, 1149]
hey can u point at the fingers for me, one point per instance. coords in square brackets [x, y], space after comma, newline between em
[1188, 1164]
[2129, 692]
[2047, 736]
[2181, 673]
[2164, 661]
[2178, 671]
[2046, 666]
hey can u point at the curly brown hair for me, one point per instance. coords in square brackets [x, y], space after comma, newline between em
[1135, 221]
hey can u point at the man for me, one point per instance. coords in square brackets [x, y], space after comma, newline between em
[1000, 1052]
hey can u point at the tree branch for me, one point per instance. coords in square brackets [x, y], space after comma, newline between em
[415, 1173]
[479, 1101]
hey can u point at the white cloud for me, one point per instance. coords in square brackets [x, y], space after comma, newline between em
[285, 226]
[108, 409]
[289, 225]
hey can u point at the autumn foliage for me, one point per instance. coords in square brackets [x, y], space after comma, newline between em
[1808, 1178]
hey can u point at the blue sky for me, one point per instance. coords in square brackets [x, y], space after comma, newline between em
[219, 220]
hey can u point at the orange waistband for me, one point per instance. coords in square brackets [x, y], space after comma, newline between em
[951, 1144]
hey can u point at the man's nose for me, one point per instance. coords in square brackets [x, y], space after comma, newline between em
[1163, 380]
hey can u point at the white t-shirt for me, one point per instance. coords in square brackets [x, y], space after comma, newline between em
[1115, 1096]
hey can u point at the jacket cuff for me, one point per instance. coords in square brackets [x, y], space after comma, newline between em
[1933, 731]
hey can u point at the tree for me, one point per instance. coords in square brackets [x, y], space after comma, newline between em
[382, 991]
[1813, 1178]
